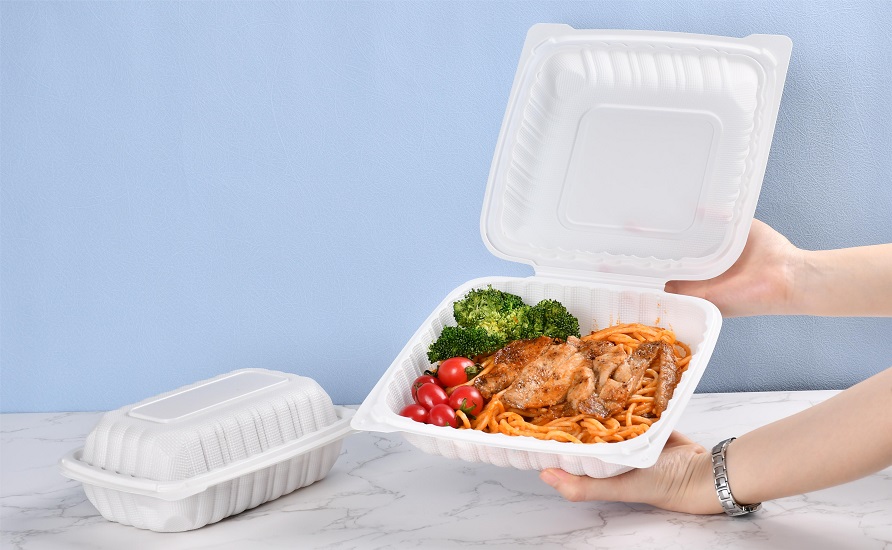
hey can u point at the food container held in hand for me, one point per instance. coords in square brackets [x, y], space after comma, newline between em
[625, 159]
[209, 450]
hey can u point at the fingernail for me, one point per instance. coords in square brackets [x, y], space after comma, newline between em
[549, 478]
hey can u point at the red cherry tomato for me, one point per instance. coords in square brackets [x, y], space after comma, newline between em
[415, 412]
[454, 371]
[421, 380]
[466, 399]
[430, 395]
[442, 415]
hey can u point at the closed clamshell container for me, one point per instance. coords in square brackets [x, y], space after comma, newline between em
[193, 456]
[625, 159]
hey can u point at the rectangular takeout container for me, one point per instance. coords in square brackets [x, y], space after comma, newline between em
[625, 159]
[196, 455]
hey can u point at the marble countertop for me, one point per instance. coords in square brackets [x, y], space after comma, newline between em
[385, 493]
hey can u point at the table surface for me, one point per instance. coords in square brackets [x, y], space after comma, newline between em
[385, 493]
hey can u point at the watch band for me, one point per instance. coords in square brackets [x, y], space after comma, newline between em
[722, 489]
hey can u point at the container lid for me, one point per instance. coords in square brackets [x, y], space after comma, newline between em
[632, 155]
[73, 465]
[212, 429]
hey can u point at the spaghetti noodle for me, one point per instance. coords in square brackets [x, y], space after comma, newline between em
[633, 420]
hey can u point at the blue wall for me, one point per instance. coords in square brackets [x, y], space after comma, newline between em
[190, 188]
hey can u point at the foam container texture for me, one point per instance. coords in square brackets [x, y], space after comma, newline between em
[209, 450]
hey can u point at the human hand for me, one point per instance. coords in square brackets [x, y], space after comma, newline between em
[681, 481]
[759, 283]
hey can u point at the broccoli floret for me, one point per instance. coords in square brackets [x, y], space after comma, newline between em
[489, 318]
[515, 322]
[530, 324]
[485, 307]
[498, 313]
[505, 324]
[463, 342]
[549, 318]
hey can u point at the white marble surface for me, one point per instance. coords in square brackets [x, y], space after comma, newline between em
[384, 493]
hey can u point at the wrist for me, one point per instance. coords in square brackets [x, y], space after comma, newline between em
[799, 270]
[702, 486]
[842, 282]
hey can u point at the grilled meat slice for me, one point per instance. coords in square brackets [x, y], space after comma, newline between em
[618, 377]
[588, 391]
[508, 364]
[667, 380]
[641, 359]
[614, 361]
[544, 376]
[591, 348]
[547, 380]
[607, 395]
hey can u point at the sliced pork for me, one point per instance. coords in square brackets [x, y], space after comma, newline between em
[549, 378]
[508, 363]
[667, 380]
[545, 381]
[618, 378]
[591, 348]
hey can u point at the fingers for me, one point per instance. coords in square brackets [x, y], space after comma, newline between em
[581, 488]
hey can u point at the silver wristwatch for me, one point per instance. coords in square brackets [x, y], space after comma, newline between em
[720, 471]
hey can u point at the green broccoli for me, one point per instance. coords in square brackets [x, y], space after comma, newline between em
[486, 307]
[489, 318]
[463, 342]
[549, 318]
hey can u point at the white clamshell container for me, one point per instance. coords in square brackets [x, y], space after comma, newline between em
[625, 159]
[209, 450]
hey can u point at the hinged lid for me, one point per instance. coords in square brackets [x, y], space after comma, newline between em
[633, 153]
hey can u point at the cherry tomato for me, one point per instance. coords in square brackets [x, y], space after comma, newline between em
[442, 415]
[430, 395]
[415, 412]
[466, 399]
[455, 371]
[421, 380]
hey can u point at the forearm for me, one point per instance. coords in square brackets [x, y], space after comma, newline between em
[846, 282]
[842, 439]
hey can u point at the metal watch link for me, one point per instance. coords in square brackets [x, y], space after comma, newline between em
[722, 489]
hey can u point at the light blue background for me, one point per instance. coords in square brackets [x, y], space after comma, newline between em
[191, 188]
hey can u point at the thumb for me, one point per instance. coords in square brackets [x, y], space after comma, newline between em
[580, 488]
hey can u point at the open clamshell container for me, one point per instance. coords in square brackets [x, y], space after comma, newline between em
[196, 455]
[625, 159]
